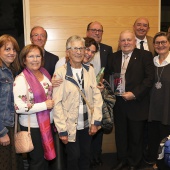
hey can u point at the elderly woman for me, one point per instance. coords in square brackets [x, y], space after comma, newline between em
[159, 113]
[32, 97]
[74, 120]
[9, 66]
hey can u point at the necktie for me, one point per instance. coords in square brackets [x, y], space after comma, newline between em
[125, 64]
[123, 71]
[141, 45]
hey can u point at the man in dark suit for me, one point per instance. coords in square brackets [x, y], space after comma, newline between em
[38, 36]
[95, 30]
[131, 108]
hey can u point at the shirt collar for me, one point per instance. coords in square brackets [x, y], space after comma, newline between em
[127, 54]
[164, 63]
[138, 40]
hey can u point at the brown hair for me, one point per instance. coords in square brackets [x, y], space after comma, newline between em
[159, 34]
[4, 39]
[90, 41]
[26, 50]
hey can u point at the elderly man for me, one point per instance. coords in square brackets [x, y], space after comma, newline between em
[143, 41]
[95, 30]
[73, 118]
[38, 36]
[131, 108]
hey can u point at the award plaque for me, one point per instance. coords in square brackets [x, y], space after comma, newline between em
[119, 85]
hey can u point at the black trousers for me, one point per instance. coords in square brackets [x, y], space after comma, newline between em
[96, 145]
[129, 137]
[36, 158]
[78, 152]
[157, 132]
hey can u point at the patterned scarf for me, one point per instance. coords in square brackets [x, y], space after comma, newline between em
[43, 117]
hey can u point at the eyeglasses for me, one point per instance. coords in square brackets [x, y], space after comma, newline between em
[88, 49]
[95, 30]
[33, 56]
[37, 35]
[157, 43]
[75, 49]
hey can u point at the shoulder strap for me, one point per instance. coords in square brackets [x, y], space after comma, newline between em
[92, 109]
[16, 115]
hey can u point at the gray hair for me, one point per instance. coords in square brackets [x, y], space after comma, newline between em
[72, 39]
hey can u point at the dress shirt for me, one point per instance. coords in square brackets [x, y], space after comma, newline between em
[164, 63]
[145, 43]
[96, 62]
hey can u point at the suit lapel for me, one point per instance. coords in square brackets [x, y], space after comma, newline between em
[150, 44]
[132, 60]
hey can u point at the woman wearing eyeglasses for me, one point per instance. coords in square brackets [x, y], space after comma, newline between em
[159, 113]
[74, 120]
[33, 98]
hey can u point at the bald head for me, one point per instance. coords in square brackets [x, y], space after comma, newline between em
[127, 41]
[141, 27]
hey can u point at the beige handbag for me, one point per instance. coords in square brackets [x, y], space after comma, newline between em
[22, 140]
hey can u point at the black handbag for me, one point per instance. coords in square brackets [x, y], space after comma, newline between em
[109, 100]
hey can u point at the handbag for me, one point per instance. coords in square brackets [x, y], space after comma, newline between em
[109, 100]
[22, 140]
[107, 108]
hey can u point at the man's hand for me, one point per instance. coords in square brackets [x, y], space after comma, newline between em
[56, 82]
[4, 141]
[128, 96]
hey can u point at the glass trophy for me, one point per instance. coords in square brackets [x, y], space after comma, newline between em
[119, 85]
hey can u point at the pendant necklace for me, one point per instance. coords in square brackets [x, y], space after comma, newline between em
[158, 84]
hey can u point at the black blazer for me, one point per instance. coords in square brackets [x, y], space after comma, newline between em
[139, 78]
[105, 51]
[50, 61]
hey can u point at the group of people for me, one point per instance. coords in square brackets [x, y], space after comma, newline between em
[141, 112]
[62, 98]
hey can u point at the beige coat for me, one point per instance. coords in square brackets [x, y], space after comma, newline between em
[66, 98]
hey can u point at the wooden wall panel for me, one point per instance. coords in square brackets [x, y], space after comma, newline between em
[63, 18]
[107, 10]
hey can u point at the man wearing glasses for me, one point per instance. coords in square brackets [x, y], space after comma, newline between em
[38, 36]
[95, 30]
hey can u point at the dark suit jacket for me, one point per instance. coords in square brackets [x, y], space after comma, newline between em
[139, 78]
[105, 52]
[50, 61]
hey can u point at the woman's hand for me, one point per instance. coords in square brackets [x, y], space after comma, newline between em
[4, 141]
[56, 82]
[100, 86]
[64, 139]
[49, 104]
[93, 130]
